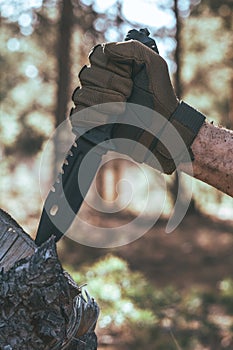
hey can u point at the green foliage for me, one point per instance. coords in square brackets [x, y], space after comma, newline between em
[143, 315]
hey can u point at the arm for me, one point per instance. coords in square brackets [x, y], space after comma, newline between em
[212, 146]
[213, 152]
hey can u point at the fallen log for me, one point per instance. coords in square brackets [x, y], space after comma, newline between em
[41, 307]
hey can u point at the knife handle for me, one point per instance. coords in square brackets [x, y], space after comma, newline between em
[142, 35]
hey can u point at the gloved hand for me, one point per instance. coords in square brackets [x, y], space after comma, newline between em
[103, 81]
[152, 88]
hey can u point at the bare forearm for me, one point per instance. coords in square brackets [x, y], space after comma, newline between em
[213, 152]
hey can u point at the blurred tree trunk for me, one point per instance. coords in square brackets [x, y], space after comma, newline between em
[100, 182]
[178, 53]
[179, 92]
[64, 60]
[177, 84]
[229, 123]
[63, 53]
[107, 183]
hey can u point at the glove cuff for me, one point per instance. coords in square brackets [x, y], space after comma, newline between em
[189, 117]
[187, 121]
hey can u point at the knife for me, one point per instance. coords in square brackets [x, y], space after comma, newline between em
[66, 197]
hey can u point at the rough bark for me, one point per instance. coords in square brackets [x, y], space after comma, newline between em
[213, 153]
[41, 307]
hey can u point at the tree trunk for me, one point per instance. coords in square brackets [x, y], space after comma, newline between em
[41, 307]
[179, 92]
[63, 97]
[63, 60]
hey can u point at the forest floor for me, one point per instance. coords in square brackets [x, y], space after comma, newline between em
[199, 251]
[198, 254]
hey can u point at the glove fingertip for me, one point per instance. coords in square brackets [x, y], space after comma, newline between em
[118, 50]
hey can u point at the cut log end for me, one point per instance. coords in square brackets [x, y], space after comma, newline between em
[41, 307]
[15, 243]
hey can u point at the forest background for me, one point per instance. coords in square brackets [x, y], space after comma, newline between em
[161, 291]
